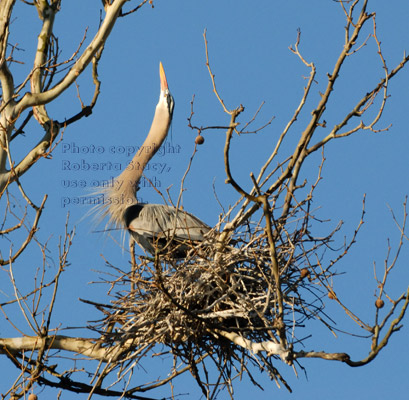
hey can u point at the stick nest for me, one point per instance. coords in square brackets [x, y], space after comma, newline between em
[229, 288]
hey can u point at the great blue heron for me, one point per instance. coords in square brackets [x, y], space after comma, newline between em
[153, 226]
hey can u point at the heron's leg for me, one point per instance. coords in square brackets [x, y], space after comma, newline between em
[133, 263]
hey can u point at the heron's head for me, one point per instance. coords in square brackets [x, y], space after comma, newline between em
[165, 98]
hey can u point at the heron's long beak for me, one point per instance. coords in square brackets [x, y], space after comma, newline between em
[163, 81]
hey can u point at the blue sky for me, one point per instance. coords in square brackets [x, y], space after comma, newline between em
[248, 46]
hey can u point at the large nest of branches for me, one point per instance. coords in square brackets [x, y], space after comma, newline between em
[222, 299]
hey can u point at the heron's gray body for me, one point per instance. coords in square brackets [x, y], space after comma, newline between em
[155, 227]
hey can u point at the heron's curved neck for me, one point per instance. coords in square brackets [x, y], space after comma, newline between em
[128, 180]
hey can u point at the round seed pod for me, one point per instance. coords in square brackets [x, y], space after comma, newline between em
[304, 272]
[379, 303]
[199, 139]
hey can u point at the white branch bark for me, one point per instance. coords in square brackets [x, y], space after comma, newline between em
[84, 346]
[90, 347]
[7, 83]
[270, 347]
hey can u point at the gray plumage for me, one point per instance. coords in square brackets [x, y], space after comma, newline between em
[156, 226]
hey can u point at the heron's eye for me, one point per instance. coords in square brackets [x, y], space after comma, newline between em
[171, 103]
